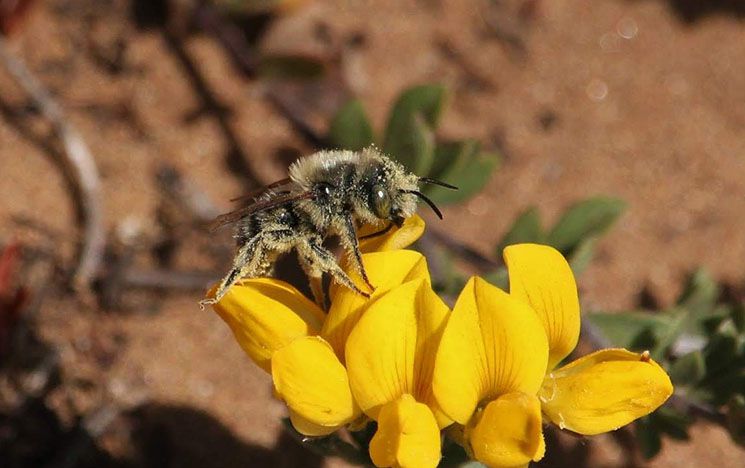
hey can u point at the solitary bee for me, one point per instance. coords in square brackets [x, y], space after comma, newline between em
[327, 193]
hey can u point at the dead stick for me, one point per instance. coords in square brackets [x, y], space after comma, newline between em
[79, 158]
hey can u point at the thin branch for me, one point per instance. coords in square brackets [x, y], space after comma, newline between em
[78, 158]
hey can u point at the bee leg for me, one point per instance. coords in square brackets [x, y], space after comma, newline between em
[352, 245]
[244, 264]
[319, 260]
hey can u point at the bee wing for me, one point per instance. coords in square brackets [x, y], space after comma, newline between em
[273, 202]
[276, 186]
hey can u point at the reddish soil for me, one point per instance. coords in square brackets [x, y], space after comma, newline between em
[637, 99]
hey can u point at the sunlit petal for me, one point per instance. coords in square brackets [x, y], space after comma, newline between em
[407, 435]
[508, 432]
[385, 271]
[266, 314]
[603, 391]
[391, 350]
[309, 428]
[492, 344]
[541, 276]
[396, 238]
[310, 379]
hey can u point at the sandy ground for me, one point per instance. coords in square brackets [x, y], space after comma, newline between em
[637, 99]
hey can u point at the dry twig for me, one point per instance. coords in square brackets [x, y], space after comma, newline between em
[78, 158]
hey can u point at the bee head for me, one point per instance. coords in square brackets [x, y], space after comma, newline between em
[393, 192]
[385, 194]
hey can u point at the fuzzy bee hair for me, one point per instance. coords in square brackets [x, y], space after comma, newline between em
[352, 176]
[329, 193]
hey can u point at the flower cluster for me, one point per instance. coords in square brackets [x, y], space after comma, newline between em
[484, 372]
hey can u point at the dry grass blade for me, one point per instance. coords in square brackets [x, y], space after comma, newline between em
[78, 158]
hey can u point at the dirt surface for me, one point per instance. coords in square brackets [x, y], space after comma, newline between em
[637, 99]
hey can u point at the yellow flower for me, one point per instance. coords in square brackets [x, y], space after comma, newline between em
[596, 393]
[303, 347]
[488, 370]
[390, 361]
[494, 370]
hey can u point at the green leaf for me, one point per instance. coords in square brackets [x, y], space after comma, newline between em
[700, 294]
[621, 329]
[591, 217]
[409, 136]
[526, 228]
[709, 324]
[737, 314]
[672, 423]
[648, 436]
[726, 385]
[498, 278]
[678, 321]
[350, 127]
[720, 352]
[688, 369]
[462, 164]
[582, 255]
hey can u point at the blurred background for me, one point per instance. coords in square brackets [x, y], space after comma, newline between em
[125, 126]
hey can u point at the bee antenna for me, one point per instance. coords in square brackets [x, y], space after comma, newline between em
[426, 200]
[428, 180]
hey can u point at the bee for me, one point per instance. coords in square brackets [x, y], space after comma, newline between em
[329, 193]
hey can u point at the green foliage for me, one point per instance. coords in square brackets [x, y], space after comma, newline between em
[586, 219]
[701, 342]
[526, 228]
[624, 330]
[409, 136]
[574, 235]
[664, 421]
[350, 128]
[463, 164]
[688, 369]
[410, 139]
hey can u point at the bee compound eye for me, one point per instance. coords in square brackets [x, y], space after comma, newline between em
[325, 189]
[284, 217]
[380, 201]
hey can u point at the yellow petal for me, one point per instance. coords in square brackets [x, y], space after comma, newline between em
[407, 435]
[604, 390]
[309, 428]
[385, 271]
[541, 276]
[310, 379]
[266, 314]
[508, 431]
[391, 350]
[492, 344]
[396, 238]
